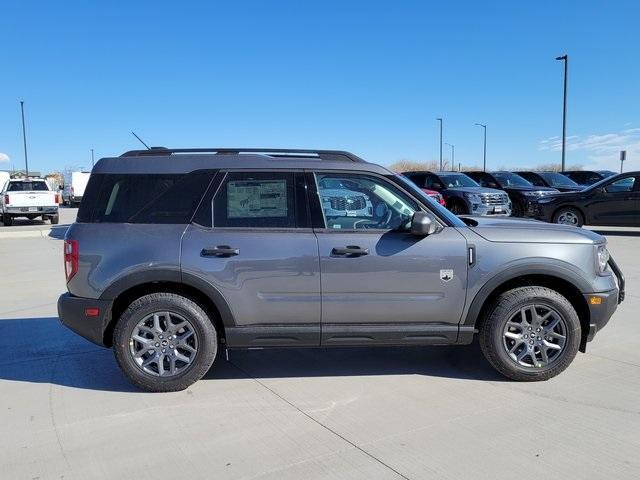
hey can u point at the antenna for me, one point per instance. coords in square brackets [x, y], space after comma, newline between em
[140, 140]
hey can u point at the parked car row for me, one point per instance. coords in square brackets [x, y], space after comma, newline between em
[604, 198]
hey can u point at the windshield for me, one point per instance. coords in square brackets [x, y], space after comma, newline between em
[27, 187]
[422, 196]
[557, 179]
[508, 179]
[459, 180]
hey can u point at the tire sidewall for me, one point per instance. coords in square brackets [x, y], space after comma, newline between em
[562, 210]
[203, 329]
[504, 311]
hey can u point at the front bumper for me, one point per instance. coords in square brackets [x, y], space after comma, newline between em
[483, 210]
[539, 211]
[603, 305]
[72, 314]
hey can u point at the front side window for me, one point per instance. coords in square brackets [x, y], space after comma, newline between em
[259, 200]
[623, 185]
[360, 202]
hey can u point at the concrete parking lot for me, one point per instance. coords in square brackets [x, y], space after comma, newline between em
[345, 413]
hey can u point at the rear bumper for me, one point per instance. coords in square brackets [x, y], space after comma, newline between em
[72, 314]
[19, 211]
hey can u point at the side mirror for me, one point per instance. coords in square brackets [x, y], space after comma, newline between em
[436, 186]
[60, 187]
[493, 185]
[423, 224]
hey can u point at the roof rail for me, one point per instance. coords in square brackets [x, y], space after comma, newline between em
[330, 155]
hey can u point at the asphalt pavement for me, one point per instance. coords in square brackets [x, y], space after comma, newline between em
[343, 413]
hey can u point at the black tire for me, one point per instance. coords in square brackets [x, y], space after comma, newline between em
[7, 220]
[568, 212]
[517, 210]
[458, 208]
[503, 309]
[55, 219]
[203, 327]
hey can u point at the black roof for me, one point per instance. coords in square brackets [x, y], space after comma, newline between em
[184, 160]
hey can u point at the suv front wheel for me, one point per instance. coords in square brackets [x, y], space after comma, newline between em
[164, 342]
[530, 333]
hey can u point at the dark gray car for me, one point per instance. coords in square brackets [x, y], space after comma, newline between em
[462, 194]
[179, 253]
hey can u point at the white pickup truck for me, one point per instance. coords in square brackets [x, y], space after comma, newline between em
[28, 197]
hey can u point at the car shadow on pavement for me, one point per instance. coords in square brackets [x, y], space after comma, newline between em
[40, 350]
[58, 231]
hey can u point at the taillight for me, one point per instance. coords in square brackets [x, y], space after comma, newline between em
[6, 200]
[57, 199]
[70, 258]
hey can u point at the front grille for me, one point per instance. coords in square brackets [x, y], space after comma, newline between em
[494, 198]
[355, 202]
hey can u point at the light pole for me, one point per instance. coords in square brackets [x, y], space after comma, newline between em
[484, 148]
[24, 141]
[564, 58]
[93, 163]
[440, 120]
[453, 151]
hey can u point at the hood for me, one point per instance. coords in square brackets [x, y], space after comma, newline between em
[474, 190]
[520, 230]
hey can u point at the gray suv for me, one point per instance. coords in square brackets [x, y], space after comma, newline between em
[178, 254]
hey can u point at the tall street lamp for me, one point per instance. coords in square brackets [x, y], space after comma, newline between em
[453, 150]
[93, 163]
[565, 59]
[24, 140]
[484, 148]
[440, 120]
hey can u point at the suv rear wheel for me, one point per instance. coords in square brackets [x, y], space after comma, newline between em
[164, 342]
[530, 334]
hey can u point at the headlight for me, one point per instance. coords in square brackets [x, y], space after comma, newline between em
[532, 194]
[602, 258]
[473, 197]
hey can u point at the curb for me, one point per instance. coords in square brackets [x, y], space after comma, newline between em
[44, 233]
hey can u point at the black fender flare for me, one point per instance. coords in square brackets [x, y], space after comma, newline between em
[560, 270]
[173, 275]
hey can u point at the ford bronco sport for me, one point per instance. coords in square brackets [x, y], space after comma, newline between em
[177, 254]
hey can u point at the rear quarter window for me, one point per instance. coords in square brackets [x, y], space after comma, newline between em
[138, 198]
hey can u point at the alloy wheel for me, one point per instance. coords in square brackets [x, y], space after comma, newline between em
[535, 336]
[568, 218]
[163, 344]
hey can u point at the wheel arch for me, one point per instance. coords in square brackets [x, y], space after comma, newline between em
[554, 280]
[189, 286]
[575, 207]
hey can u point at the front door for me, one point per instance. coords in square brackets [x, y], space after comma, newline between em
[261, 256]
[618, 203]
[380, 283]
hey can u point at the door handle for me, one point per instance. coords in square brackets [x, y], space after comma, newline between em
[349, 251]
[220, 251]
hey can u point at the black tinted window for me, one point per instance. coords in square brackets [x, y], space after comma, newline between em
[260, 200]
[120, 198]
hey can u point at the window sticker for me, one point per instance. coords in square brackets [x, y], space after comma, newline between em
[256, 198]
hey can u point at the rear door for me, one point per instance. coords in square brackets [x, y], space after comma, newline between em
[256, 249]
[380, 283]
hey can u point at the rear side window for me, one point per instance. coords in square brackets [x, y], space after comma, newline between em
[27, 187]
[123, 198]
[260, 200]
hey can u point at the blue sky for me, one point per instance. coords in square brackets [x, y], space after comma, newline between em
[370, 77]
